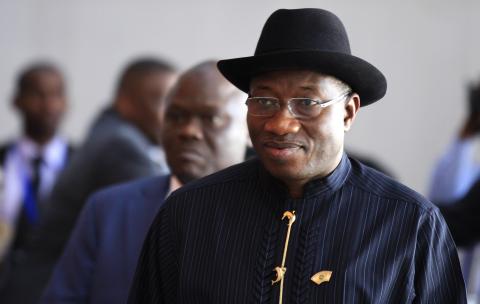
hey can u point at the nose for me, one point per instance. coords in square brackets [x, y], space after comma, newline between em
[282, 123]
[50, 103]
[191, 129]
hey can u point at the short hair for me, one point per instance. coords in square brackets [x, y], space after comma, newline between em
[342, 86]
[141, 67]
[24, 79]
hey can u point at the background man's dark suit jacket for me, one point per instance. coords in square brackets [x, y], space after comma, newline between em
[100, 258]
[22, 232]
[114, 151]
[463, 217]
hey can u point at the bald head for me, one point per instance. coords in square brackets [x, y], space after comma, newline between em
[204, 82]
[205, 128]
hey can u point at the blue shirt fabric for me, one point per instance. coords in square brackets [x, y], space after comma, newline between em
[217, 240]
[454, 173]
[99, 261]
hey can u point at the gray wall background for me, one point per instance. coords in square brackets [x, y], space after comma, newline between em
[428, 50]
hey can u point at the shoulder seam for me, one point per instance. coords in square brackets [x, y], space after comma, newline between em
[392, 197]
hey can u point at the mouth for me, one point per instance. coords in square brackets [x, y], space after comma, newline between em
[281, 149]
[189, 156]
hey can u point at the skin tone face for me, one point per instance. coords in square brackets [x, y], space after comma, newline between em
[293, 150]
[42, 104]
[205, 129]
[143, 102]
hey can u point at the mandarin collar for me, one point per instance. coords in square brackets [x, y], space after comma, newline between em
[321, 186]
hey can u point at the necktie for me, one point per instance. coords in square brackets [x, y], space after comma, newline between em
[32, 189]
[36, 176]
[30, 215]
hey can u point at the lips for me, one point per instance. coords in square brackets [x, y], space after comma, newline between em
[281, 149]
[189, 155]
[282, 145]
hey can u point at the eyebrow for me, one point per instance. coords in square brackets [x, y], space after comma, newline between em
[205, 109]
[262, 87]
[310, 88]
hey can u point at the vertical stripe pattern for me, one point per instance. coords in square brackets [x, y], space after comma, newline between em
[218, 240]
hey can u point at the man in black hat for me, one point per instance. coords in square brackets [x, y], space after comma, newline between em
[302, 223]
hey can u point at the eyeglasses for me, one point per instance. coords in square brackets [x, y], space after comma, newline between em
[299, 107]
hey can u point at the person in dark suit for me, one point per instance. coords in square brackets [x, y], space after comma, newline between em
[204, 131]
[123, 144]
[456, 179]
[454, 175]
[31, 163]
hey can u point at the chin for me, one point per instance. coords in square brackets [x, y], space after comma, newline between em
[190, 174]
[282, 171]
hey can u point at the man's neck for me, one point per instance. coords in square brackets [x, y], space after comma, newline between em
[295, 187]
[174, 183]
[41, 139]
[296, 191]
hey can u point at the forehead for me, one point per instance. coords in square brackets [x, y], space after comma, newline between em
[195, 93]
[44, 77]
[158, 79]
[287, 81]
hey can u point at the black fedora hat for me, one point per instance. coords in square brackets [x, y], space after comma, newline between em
[312, 39]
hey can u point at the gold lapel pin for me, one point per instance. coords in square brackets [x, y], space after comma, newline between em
[280, 271]
[322, 276]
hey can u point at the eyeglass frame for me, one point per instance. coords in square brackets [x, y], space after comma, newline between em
[322, 104]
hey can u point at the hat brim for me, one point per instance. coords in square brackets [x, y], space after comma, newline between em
[361, 76]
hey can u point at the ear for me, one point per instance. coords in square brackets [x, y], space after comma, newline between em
[123, 105]
[249, 141]
[17, 102]
[351, 109]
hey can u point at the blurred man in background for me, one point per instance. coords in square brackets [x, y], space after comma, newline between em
[455, 187]
[204, 131]
[123, 144]
[31, 163]
[463, 219]
[457, 170]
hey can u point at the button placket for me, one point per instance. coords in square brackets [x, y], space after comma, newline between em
[281, 270]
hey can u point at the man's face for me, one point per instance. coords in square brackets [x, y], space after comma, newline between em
[43, 102]
[204, 128]
[148, 101]
[299, 150]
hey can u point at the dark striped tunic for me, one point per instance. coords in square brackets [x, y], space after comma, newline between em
[218, 240]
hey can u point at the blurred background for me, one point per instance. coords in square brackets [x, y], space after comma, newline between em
[428, 50]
